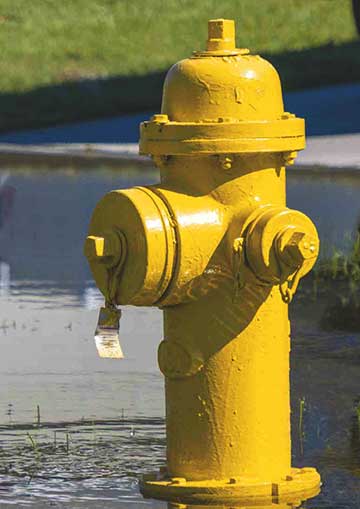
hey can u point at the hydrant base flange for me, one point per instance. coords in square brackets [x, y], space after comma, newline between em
[299, 485]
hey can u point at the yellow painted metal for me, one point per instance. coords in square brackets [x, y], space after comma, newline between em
[214, 245]
[145, 222]
[221, 36]
[221, 136]
[297, 486]
[222, 100]
[250, 504]
[106, 250]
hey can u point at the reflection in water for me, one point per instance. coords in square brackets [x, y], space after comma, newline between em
[4, 279]
[43, 229]
[102, 423]
[92, 298]
[322, 198]
[234, 506]
[355, 438]
[85, 463]
[7, 198]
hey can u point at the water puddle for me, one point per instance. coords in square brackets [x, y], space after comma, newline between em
[76, 430]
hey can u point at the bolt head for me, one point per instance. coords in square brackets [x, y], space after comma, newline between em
[300, 247]
[94, 247]
[226, 162]
[178, 480]
[160, 118]
[106, 249]
[222, 120]
[286, 115]
[289, 158]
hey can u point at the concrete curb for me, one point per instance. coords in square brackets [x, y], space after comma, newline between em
[79, 155]
[324, 154]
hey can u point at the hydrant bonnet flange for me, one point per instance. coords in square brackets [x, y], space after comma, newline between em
[230, 137]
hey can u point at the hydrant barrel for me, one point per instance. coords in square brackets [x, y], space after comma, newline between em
[215, 247]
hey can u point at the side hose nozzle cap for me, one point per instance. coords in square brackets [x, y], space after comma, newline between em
[280, 241]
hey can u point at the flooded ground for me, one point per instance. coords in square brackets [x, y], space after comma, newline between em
[76, 430]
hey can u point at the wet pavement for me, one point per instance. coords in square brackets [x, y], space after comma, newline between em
[76, 430]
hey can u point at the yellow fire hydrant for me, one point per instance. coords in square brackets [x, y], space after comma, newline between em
[215, 247]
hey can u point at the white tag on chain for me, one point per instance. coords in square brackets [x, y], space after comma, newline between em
[107, 333]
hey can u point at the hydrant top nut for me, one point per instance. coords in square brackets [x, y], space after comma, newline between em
[221, 35]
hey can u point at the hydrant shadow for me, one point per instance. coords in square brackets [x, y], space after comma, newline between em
[215, 301]
[210, 175]
[220, 324]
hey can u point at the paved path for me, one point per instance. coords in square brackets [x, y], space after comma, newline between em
[338, 152]
[328, 111]
[332, 118]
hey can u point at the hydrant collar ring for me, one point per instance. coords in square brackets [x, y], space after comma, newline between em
[219, 137]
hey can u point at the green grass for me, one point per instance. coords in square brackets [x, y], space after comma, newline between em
[73, 59]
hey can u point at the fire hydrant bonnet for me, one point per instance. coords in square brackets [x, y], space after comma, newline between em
[222, 101]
